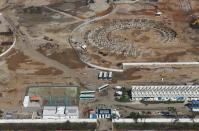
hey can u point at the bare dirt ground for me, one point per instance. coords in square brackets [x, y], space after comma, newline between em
[43, 54]
[148, 44]
[6, 36]
[2, 3]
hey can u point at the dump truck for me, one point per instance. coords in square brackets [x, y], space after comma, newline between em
[195, 23]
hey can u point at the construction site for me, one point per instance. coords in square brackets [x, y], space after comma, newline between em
[80, 58]
[7, 38]
[153, 36]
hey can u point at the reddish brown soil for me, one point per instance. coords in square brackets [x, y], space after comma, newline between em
[68, 58]
[128, 75]
[48, 71]
[16, 59]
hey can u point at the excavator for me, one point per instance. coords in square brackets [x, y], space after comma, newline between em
[195, 23]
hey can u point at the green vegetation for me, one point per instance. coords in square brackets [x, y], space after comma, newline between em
[156, 126]
[136, 115]
[1, 113]
[125, 97]
[173, 110]
[91, 1]
[51, 126]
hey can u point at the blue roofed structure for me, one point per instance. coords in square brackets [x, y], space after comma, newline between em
[195, 105]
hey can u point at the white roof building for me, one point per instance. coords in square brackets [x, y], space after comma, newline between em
[119, 93]
[158, 13]
[60, 112]
[118, 87]
[49, 112]
[26, 101]
[72, 112]
[83, 47]
[169, 92]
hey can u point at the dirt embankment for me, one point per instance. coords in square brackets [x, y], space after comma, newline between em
[128, 75]
[172, 57]
[47, 71]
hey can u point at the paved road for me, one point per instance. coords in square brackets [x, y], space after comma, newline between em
[62, 13]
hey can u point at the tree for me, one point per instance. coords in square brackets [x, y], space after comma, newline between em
[91, 1]
[135, 116]
[1, 113]
[172, 110]
[193, 115]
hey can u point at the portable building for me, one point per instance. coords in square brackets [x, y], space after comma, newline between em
[103, 87]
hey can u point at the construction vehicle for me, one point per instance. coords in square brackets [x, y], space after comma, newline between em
[195, 23]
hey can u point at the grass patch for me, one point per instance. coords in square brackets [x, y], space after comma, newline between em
[125, 96]
[51, 126]
[156, 126]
